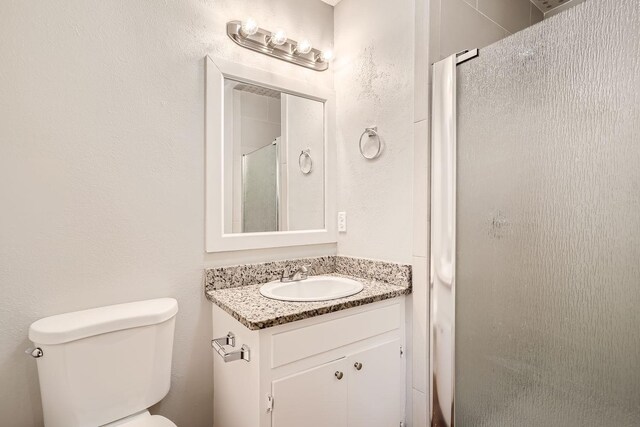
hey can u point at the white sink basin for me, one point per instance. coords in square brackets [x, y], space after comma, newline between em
[315, 288]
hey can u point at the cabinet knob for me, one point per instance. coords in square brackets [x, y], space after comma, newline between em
[357, 365]
[339, 375]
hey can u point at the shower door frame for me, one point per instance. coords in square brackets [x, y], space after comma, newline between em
[443, 235]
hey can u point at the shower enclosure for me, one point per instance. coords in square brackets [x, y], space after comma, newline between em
[535, 231]
[260, 189]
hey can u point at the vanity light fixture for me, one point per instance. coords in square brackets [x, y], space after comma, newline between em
[303, 47]
[276, 44]
[325, 56]
[277, 38]
[249, 27]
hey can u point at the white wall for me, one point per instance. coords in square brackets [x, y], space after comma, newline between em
[303, 124]
[374, 86]
[374, 80]
[102, 170]
[259, 121]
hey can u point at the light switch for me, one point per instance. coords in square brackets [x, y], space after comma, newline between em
[342, 222]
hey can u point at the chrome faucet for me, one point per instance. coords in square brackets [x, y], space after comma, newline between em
[300, 273]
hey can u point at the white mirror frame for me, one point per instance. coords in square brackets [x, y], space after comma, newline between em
[216, 240]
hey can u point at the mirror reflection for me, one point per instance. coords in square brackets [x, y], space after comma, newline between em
[273, 160]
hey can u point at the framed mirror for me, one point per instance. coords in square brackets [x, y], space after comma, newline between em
[269, 160]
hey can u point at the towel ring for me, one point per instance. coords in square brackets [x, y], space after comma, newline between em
[371, 132]
[305, 154]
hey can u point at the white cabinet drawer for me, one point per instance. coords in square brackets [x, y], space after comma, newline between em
[293, 345]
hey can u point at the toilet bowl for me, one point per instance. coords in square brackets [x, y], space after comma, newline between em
[105, 366]
[144, 419]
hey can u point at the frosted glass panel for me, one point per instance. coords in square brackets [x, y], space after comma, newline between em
[260, 190]
[548, 224]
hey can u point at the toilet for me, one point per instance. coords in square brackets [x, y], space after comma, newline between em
[105, 366]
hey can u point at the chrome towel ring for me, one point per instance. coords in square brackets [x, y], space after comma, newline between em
[305, 166]
[371, 132]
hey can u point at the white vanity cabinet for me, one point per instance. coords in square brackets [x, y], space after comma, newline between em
[342, 369]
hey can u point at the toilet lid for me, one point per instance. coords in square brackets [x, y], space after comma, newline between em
[152, 421]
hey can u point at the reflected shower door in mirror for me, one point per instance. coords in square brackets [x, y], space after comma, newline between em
[273, 160]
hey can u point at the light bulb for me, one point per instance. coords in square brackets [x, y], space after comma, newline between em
[249, 27]
[304, 46]
[326, 55]
[278, 37]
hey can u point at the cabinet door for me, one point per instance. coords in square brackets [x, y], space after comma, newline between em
[375, 389]
[313, 398]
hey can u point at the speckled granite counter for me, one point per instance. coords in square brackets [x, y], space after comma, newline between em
[236, 289]
[254, 311]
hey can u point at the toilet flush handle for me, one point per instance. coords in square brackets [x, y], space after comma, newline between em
[36, 352]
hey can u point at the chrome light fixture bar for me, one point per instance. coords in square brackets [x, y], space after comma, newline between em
[266, 42]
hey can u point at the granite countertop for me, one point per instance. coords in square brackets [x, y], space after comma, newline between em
[249, 307]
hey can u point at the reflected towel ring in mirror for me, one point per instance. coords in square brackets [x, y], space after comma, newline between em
[371, 132]
[305, 162]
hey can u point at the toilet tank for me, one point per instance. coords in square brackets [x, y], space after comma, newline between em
[103, 364]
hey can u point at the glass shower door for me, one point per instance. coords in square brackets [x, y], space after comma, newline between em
[547, 239]
[260, 189]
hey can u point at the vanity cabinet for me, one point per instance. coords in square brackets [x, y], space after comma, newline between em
[374, 384]
[342, 369]
[313, 398]
[357, 391]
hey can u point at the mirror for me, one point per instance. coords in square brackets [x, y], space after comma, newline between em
[274, 160]
[270, 177]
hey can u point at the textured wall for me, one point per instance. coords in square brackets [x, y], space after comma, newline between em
[102, 170]
[374, 86]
